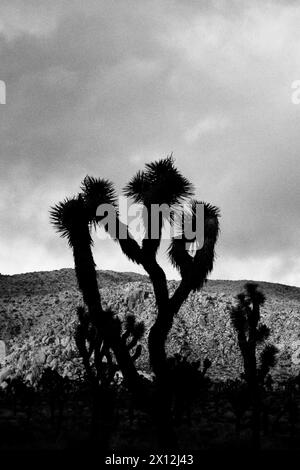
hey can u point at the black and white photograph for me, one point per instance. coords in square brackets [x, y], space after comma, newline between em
[149, 230]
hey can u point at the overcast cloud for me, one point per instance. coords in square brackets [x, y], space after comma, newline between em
[101, 87]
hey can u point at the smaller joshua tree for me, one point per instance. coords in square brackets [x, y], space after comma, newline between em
[98, 358]
[100, 365]
[251, 333]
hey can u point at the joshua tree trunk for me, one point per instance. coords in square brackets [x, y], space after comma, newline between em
[167, 308]
[87, 281]
[162, 406]
[256, 420]
[157, 339]
[254, 392]
[158, 360]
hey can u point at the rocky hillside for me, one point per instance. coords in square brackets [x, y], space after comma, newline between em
[37, 320]
[28, 300]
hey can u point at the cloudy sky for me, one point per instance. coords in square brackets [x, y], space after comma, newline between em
[101, 87]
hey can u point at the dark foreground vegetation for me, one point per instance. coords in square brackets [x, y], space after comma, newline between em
[59, 415]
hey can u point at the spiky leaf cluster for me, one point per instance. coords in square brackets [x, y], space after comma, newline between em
[71, 220]
[96, 192]
[199, 264]
[159, 183]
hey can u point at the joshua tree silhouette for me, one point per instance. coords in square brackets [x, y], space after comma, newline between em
[162, 183]
[245, 317]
